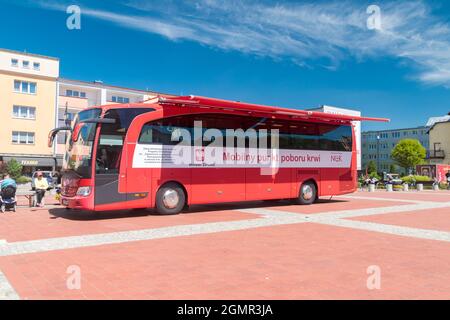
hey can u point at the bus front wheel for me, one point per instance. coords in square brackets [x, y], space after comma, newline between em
[307, 194]
[170, 199]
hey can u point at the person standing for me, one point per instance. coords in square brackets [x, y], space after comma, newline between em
[41, 186]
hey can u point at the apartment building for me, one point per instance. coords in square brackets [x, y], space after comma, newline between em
[74, 96]
[377, 145]
[28, 91]
[35, 100]
[439, 133]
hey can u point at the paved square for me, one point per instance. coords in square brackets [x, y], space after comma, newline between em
[270, 250]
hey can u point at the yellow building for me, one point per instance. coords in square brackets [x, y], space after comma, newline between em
[440, 141]
[28, 91]
[35, 100]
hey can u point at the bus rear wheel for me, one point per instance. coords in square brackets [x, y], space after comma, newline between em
[170, 199]
[307, 194]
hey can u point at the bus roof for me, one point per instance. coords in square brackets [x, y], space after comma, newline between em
[198, 101]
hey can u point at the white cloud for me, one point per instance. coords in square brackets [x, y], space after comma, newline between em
[303, 32]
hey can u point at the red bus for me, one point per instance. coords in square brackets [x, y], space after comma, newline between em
[120, 156]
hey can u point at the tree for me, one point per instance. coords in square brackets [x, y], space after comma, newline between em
[408, 153]
[392, 168]
[371, 167]
[14, 169]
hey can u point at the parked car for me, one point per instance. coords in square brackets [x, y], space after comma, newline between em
[49, 175]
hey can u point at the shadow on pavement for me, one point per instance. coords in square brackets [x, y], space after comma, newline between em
[90, 215]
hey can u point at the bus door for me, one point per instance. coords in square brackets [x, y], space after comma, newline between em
[107, 165]
[113, 172]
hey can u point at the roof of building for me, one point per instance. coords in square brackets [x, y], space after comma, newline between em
[29, 54]
[433, 120]
[392, 130]
[104, 85]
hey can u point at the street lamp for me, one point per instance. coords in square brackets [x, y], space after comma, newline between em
[378, 153]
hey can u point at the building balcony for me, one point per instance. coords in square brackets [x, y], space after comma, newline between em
[73, 102]
[435, 154]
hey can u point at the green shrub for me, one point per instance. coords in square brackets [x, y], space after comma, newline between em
[23, 180]
[417, 179]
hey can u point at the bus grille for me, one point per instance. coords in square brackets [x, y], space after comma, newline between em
[69, 186]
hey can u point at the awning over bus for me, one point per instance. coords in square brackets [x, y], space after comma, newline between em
[233, 105]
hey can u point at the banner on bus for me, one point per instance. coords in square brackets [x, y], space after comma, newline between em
[168, 156]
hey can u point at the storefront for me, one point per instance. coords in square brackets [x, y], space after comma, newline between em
[31, 164]
[438, 171]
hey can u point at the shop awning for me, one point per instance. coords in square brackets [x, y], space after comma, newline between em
[34, 161]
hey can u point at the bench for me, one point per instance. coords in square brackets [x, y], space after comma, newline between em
[27, 194]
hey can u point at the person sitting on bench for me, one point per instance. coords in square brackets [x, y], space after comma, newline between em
[41, 185]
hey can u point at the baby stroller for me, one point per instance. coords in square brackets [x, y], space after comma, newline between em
[8, 199]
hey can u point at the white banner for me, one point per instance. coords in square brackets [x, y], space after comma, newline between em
[166, 156]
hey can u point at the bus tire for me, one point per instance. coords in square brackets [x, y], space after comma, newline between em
[307, 194]
[170, 199]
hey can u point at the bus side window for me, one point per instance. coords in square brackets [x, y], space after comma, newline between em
[146, 136]
[304, 136]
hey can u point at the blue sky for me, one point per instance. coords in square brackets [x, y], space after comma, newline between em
[292, 54]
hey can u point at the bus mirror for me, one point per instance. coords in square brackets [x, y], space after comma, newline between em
[52, 134]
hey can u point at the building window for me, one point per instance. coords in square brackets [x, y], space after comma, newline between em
[14, 62]
[75, 93]
[24, 87]
[26, 64]
[24, 112]
[20, 137]
[119, 99]
[36, 66]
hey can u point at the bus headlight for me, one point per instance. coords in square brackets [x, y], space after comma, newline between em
[84, 191]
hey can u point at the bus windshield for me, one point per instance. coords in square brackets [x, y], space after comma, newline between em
[78, 157]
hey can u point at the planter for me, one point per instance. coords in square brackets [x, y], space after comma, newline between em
[419, 187]
[371, 187]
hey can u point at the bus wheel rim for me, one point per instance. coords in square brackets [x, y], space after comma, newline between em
[170, 199]
[307, 192]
